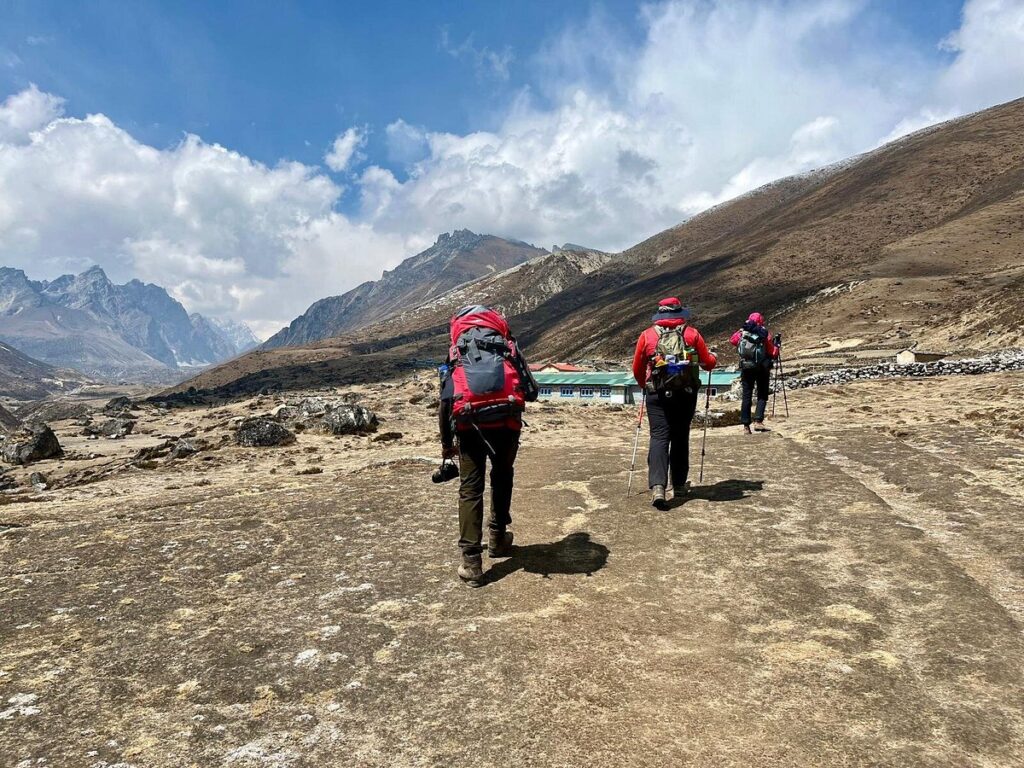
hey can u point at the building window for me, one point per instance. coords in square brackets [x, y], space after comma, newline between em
[565, 392]
[714, 391]
[606, 391]
[586, 391]
[545, 391]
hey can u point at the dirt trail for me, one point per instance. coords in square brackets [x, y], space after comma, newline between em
[795, 611]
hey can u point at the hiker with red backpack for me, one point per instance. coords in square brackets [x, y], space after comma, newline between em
[758, 352]
[485, 385]
[667, 365]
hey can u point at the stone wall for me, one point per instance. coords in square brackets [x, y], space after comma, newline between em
[1002, 361]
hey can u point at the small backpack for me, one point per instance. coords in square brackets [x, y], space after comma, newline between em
[674, 365]
[490, 378]
[753, 353]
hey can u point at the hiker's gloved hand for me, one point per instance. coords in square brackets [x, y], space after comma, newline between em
[449, 452]
[777, 340]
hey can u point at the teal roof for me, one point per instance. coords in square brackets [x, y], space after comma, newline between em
[621, 378]
[594, 378]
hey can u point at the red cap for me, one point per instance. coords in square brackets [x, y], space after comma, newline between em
[672, 301]
[756, 317]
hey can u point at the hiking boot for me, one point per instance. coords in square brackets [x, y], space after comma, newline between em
[499, 543]
[658, 498]
[760, 427]
[471, 571]
[681, 491]
[746, 429]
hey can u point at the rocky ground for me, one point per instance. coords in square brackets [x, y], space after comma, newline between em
[845, 590]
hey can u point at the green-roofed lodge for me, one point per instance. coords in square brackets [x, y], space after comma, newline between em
[613, 387]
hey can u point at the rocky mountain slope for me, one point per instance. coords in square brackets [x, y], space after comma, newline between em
[917, 242]
[23, 378]
[455, 259]
[88, 323]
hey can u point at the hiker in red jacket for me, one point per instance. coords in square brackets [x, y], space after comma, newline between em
[758, 352]
[666, 366]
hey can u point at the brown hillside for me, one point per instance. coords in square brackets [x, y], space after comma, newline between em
[916, 242]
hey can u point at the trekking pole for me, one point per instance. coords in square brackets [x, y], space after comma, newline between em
[775, 389]
[782, 377]
[704, 440]
[636, 441]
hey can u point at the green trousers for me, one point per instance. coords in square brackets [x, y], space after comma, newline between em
[473, 457]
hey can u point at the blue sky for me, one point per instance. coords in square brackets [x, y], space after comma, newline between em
[254, 156]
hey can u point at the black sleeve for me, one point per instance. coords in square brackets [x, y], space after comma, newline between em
[444, 412]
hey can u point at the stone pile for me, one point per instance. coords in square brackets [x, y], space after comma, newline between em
[995, 363]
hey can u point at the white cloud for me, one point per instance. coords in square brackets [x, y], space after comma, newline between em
[406, 144]
[989, 64]
[345, 149]
[27, 111]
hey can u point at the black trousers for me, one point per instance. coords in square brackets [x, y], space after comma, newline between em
[669, 415]
[750, 378]
[473, 458]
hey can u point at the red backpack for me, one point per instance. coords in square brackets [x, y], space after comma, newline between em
[490, 377]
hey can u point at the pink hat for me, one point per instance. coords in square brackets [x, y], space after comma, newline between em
[756, 317]
[671, 309]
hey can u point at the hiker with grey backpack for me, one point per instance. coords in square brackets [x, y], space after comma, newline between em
[758, 352]
[485, 385]
[666, 364]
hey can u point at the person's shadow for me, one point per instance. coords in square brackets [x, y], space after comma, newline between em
[576, 554]
[723, 490]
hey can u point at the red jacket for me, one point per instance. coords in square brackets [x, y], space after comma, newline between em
[648, 342]
[769, 345]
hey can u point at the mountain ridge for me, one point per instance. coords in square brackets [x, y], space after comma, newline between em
[87, 322]
[454, 259]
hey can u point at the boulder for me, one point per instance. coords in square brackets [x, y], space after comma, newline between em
[112, 428]
[7, 482]
[37, 445]
[38, 481]
[152, 452]
[286, 413]
[315, 406]
[118, 405]
[184, 448]
[261, 431]
[347, 419]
